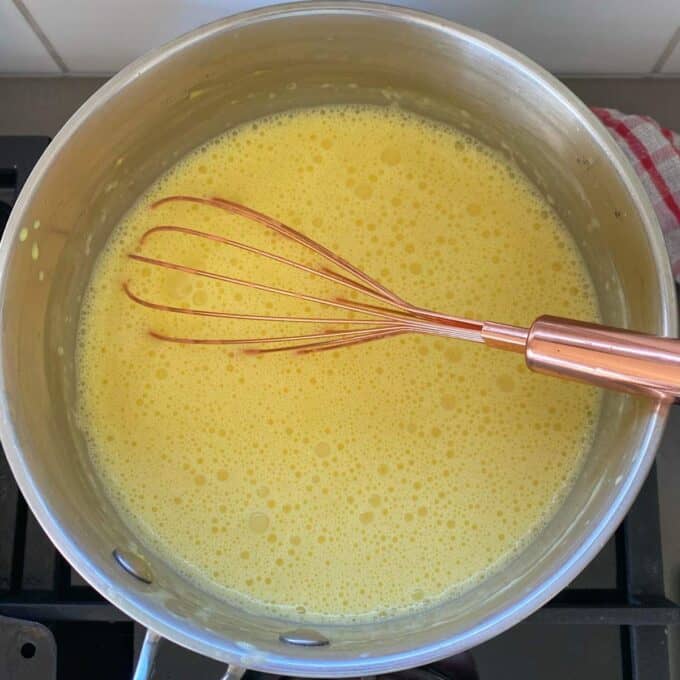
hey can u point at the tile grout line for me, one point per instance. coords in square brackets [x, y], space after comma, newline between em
[667, 52]
[44, 40]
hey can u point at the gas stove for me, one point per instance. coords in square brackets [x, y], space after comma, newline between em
[612, 622]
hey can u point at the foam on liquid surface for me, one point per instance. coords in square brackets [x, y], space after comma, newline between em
[357, 483]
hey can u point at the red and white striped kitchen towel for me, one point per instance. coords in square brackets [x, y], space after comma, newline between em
[655, 154]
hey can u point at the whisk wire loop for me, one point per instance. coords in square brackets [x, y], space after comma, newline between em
[393, 317]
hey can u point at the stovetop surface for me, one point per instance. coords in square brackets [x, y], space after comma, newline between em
[610, 624]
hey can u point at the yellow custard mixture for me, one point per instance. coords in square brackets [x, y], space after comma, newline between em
[358, 483]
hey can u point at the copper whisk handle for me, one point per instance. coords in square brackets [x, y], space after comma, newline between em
[606, 357]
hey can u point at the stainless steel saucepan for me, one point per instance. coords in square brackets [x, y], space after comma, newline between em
[181, 95]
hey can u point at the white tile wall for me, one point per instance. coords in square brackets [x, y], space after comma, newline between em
[102, 36]
[577, 36]
[20, 49]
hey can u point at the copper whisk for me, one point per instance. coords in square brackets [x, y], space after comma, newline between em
[599, 355]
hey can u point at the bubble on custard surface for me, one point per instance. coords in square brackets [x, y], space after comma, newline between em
[258, 522]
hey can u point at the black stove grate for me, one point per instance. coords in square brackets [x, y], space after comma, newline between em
[94, 639]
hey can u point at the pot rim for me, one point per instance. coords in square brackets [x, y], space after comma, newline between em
[519, 606]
